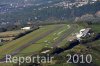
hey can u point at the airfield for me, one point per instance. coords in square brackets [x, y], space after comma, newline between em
[47, 36]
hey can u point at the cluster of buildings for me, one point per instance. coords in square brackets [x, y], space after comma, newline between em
[76, 3]
[83, 33]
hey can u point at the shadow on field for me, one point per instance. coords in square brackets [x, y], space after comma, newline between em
[71, 45]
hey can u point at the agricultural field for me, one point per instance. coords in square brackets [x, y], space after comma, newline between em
[10, 35]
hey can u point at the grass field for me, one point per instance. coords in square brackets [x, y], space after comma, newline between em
[12, 32]
[96, 46]
[12, 46]
[96, 27]
[46, 41]
[52, 39]
[47, 37]
[10, 35]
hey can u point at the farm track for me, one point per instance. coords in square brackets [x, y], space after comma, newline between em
[32, 42]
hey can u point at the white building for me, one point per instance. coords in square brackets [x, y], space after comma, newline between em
[26, 28]
[81, 2]
[83, 33]
[93, 1]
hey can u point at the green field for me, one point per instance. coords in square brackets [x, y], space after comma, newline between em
[49, 36]
[51, 40]
[47, 41]
[96, 27]
[14, 33]
[57, 33]
[11, 46]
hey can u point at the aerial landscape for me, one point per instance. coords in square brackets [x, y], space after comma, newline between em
[49, 32]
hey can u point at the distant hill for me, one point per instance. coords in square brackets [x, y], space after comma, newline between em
[44, 12]
[88, 12]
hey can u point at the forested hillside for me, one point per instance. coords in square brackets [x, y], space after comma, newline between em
[44, 12]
